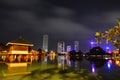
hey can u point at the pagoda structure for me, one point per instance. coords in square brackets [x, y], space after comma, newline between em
[18, 50]
[17, 57]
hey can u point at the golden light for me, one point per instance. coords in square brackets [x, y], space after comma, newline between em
[97, 34]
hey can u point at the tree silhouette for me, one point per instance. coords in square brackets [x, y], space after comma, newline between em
[97, 51]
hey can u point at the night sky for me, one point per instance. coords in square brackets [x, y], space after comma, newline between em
[62, 20]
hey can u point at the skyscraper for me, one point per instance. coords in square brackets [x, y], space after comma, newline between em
[45, 42]
[76, 46]
[68, 48]
[61, 47]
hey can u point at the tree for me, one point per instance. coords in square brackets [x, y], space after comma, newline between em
[111, 35]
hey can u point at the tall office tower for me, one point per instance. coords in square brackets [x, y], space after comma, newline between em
[45, 42]
[68, 48]
[76, 46]
[61, 47]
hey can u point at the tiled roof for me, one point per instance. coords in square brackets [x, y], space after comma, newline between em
[20, 41]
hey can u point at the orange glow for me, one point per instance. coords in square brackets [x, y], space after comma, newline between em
[18, 52]
[110, 61]
[117, 62]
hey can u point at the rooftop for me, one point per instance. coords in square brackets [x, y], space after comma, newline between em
[20, 41]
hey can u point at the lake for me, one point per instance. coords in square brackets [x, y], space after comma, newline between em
[63, 68]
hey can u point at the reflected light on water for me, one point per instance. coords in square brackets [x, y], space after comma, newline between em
[108, 65]
[93, 68]
[117, 62]
[61, 61]
[63, 66]
[110, 61]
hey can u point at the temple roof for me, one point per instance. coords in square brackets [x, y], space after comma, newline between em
[20, 41]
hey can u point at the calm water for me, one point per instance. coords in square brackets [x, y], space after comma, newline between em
[106, 69]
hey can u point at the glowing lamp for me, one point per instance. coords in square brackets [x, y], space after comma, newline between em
[107, 48]
[91, 42]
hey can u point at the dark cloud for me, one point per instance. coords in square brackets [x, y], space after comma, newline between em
[20, 3]
[60, 19]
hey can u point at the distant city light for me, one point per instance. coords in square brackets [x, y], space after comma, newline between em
[92, 42]
[107, 47]
[110, 51]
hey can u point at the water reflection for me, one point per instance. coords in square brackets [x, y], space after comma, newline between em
[117, 62]
[61, 61]
[64, 65]
[98, 62]
[109, 64]
[15, 69]
[93, 68]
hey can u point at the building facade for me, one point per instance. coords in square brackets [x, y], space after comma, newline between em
[76, 46]
[61, 47]
[18, 50]
[68, 48]
[45, 43]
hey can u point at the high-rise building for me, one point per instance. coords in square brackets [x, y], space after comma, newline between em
[61, 47]
[76, 46]
[45, 42]
[68, 48]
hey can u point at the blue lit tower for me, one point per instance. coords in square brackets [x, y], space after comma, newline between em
[76, 46]
[45, 42]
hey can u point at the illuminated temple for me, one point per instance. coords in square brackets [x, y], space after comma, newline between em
[18, 50]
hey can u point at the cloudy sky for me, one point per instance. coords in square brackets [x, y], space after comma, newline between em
[62, 20]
